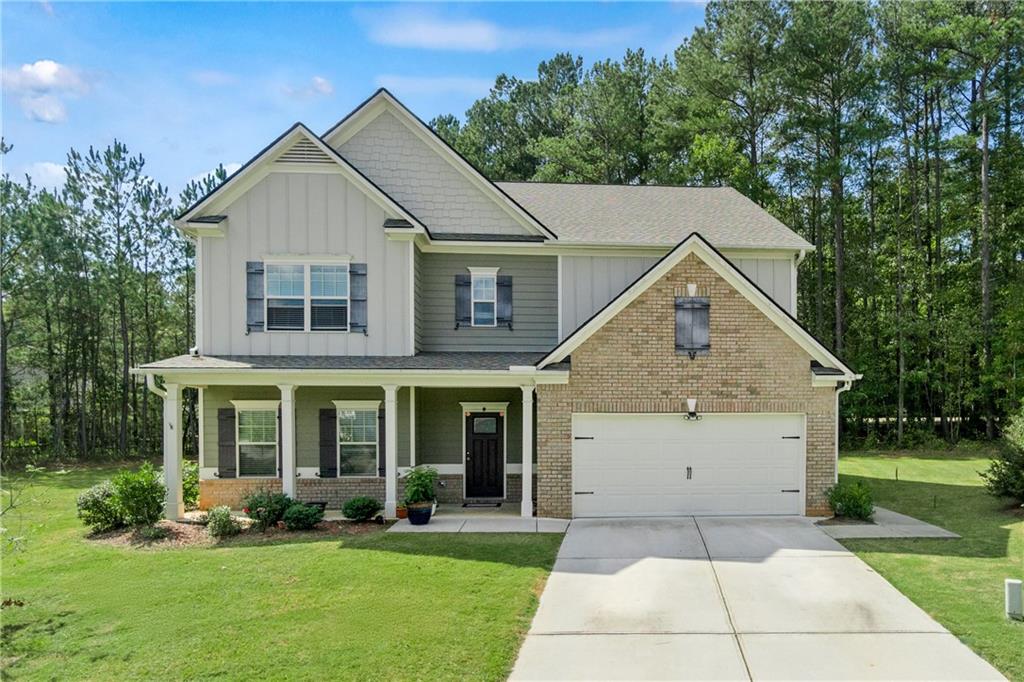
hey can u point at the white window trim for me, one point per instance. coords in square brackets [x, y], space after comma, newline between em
[256, 405]
[340, 405]
[307, 295]
[474, 275]
[502, 408]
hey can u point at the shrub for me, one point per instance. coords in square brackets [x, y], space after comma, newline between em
[851, 500]
[220, 523]
[140, 494]
[1005, 474]
[190, 484]
[152, 533]
[301, 516]
[99, 509]
[361, 508]
[419, 485]
[265, 508]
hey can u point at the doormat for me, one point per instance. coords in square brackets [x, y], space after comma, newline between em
[474, 505]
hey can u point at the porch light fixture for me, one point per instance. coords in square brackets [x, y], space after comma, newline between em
[691, 410]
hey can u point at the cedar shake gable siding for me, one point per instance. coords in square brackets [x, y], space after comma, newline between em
[631, 365]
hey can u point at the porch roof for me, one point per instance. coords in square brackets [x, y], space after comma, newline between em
[471, 361]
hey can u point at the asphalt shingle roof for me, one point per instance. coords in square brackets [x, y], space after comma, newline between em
[652, 214]
[421, 361]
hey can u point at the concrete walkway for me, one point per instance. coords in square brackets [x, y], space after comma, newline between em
[505, 519]
[887, 524]
[728, 598]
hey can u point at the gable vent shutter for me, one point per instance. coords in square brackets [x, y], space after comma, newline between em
[304, 151]
[382, 445]
[226, 443]
[357, 297]
[463, 302]
[253, 296]
[504, 312]
[328, 443]
[692, 325]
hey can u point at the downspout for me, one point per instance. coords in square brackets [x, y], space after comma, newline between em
[840, 388]
[151, 385]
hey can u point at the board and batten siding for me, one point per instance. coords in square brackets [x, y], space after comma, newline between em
[534, 304]
[441, 422]
[297, 214]
[418, 178]
[590, 282]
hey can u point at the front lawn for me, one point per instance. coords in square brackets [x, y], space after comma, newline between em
[376, 606]
[958, 582]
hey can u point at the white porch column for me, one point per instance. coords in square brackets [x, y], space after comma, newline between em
[174, 506]
[288, 439]
[527, 509]
[390, 451]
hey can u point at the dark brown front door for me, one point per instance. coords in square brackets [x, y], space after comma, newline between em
[485, 457]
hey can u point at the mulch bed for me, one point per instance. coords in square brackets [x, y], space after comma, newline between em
[193, 534]
[843, 521]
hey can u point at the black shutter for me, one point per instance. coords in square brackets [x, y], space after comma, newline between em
[693, 325]
[253, 296]
[463, 300]
[357, 298]
[381, 442]
[226, 443]
[504, 312]
[328, 443]
[280, 443]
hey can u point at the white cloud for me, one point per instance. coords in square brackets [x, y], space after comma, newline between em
[211, 78]
[434, 84]
[47, 7]
[318, 85]
[416, 29]
[44, 85]
[44, 108]
[46, 174]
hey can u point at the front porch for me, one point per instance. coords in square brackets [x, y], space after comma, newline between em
[328, 437]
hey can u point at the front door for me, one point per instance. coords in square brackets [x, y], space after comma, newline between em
[485, 455]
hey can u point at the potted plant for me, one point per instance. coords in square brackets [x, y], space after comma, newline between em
[419, 494]
[401, 512]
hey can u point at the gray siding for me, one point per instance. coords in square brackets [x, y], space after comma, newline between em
[439, 422]
[534, 304]
[297, 214]
[425, 183]
[590, 282]
[417, 274]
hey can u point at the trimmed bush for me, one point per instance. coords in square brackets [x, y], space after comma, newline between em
[152, 533]
[220, 523]
[361, 508]
[301, 516]
[1005, 474]
[851, 501]
[265, 508]
[190, 484]
[140, 494]
[99, 509]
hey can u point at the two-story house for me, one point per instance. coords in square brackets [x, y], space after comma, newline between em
[368, 301]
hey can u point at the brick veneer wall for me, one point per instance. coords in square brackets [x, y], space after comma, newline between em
[230, 491]
[630, 365]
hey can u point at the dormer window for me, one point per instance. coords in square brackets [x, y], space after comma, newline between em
[485, 296]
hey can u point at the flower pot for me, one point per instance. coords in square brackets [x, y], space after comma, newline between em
[401, 512]
[419, 515]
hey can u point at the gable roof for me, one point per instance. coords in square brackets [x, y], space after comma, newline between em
[381, 101]
[699, 246]
[654, 215]
[298, 144]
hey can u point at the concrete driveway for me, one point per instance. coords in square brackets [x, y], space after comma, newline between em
[728, 599]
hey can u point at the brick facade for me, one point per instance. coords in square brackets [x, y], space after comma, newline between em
[630, 365]
[229, 492]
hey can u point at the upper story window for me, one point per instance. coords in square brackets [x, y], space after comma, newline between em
[304, 297]
[484, 297]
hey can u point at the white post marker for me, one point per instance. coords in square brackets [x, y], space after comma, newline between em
[1014, 599]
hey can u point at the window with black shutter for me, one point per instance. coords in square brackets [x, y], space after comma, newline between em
[693, 315]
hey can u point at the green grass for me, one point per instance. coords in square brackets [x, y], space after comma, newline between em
[380, 606]
[958, 582]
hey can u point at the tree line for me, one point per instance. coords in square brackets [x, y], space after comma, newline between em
[889, 134]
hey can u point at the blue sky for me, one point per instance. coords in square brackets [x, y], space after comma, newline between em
[191, 85]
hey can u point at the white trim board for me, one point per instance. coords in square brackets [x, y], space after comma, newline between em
[696, 244]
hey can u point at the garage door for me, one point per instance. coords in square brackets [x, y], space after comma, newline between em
[661, 465]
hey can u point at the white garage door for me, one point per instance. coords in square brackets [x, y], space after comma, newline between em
[661, 465]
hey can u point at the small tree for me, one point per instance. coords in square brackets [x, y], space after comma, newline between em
[1005, 474]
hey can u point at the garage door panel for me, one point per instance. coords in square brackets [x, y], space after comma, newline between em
[637, 464]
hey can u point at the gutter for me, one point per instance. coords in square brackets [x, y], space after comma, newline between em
[151, 385]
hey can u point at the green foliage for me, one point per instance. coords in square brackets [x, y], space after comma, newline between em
[1005, 474]
[154, 533]
[139, 494]
[361, 508]
[266, 508]
[99, 509]
[190, 484]
[419, 485]
[851, 500]
[302, 516]
[220, 523]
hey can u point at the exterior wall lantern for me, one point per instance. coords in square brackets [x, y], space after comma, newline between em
[691, 410]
